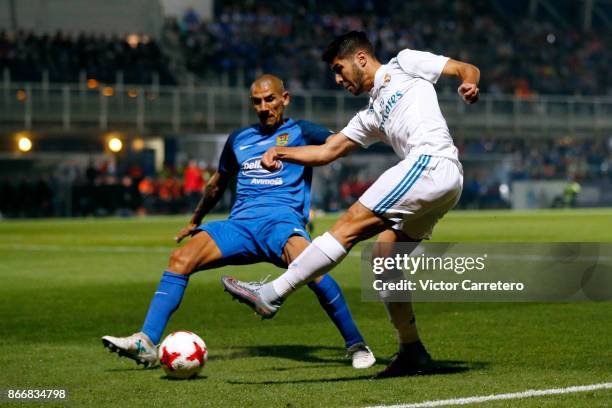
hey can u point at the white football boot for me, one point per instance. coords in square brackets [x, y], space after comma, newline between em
[361, 355]
[137, 347]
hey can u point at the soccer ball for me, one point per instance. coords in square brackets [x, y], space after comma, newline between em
[182, 354]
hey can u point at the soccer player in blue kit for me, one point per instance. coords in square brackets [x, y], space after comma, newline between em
[266, 224]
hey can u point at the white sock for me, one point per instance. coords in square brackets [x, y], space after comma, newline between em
[318, 258]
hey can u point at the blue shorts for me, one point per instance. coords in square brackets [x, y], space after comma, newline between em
[248, 241]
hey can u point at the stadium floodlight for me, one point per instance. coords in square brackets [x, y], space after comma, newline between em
[138, 144]
[132, 40]
[24, 143]
[21, 95]
[115, 144]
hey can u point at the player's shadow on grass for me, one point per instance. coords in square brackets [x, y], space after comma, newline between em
[196, 378]
[289, 351]
[135, 369]
[156, 368]
[441, 367]
[305, 381]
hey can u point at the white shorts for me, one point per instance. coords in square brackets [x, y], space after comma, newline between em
[416, 193]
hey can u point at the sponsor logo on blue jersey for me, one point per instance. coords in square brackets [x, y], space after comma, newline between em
[278, 181]
[252, 168]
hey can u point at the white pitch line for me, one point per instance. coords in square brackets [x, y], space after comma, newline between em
[497, 397]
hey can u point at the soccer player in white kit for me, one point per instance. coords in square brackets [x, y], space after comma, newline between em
[406, 201]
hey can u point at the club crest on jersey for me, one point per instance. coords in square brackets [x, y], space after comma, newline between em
[386, 79]
[282, 140]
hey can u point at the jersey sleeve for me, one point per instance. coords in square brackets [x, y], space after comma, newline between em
[422, 64]
[313, 133]
[360, 130]
[228, 163]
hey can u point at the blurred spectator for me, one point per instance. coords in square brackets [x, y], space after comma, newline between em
[193, 183]
[146, 188]
[129, 199]
[352, 189]
[169, 194]
[569, 197]
[191, 19]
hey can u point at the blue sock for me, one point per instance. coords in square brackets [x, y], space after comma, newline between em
[331, 298]
[166, 300]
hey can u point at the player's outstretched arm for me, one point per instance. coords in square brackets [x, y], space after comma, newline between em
[335, 146]
[212, 193]
[468, 74]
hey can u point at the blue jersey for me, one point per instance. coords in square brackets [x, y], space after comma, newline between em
[258, 191]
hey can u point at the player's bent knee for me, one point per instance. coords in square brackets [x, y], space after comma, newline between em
[344, 228]
[180, 262]
[357, 224]
[344, 235]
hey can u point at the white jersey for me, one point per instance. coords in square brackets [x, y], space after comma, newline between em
[403, 110]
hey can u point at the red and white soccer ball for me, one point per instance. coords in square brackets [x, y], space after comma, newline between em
[182, 354]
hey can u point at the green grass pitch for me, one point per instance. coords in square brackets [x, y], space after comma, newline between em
[65, 283]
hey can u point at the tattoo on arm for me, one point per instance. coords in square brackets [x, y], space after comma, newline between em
[211, 195]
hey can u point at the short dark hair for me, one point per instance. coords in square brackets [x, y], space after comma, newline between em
[346, 45]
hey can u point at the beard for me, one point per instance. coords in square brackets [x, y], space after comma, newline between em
[358, 79]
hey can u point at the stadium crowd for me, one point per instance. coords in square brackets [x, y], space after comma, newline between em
[517, 55]
[27, 56]
[549, 159]
[104, 191]
[566, 159]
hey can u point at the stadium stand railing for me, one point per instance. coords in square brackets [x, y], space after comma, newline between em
[215, 109]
